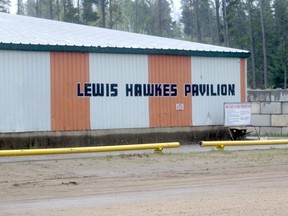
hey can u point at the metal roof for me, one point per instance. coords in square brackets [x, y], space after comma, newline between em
[29, 33]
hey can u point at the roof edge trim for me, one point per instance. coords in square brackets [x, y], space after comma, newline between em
[119, 50]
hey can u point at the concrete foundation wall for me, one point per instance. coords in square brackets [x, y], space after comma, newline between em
[269, 111]
[110, 137]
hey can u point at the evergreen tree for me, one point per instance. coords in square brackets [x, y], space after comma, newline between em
[144, 14]
[40, 8]
[159, 23]
[279, 69]
[225, 23]
[217, 10]
[252, 79]
[176, 30]
[4, 6]
[129, 16]
[187, 17]
[237, 24]
[31, 8]
[206, 21]
[89, 15]
[198, 18]
[115, 14]
[69, 11]
[103, 13]
[20, 7]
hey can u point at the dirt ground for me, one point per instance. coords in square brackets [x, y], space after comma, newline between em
[251, 182]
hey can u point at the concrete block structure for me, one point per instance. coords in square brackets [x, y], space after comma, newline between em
[259, 96]
[261, 120]
[285, 107]
[279, 120]
[280, 95]
[269, 111]
[270, 107]
[256, 108]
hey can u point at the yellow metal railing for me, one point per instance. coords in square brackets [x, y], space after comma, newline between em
[155, 146]
[222, 144]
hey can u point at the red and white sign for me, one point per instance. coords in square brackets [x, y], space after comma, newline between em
[237, 114]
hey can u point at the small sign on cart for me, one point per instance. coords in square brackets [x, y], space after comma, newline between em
[237, 114]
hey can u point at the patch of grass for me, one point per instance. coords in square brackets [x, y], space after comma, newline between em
[135, 155]
[213, 154]
[161, 153]
[269, 152]
[108, 157]
[100, 157]
[221, 151]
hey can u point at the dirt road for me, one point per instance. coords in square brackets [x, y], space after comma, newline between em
[253, 182]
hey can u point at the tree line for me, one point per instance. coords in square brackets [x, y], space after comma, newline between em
[260, 26]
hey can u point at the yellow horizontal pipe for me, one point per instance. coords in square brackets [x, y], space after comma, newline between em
[156, 146]
[222, 144]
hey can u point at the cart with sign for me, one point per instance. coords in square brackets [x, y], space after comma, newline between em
[237, 117]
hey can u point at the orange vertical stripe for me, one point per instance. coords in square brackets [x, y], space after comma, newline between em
[170, 70]
[68, 111]
[243, 79]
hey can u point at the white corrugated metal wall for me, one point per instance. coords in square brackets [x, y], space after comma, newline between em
[209, 110]
[119, 111]
[24, 91]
